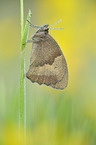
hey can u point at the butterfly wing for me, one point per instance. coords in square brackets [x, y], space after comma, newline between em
[47, 64]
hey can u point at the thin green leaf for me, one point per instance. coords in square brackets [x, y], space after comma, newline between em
[26, 30]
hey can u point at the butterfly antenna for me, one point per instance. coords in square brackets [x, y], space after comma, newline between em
[33, 25]
[55, 24]
[56, 28]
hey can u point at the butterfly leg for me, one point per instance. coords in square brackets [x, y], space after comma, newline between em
[29, 41]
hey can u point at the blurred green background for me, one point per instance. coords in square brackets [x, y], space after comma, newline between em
[54, 117]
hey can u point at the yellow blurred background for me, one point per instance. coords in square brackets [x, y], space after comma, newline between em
[54, 117]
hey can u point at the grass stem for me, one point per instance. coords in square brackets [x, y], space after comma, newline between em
[24, 36]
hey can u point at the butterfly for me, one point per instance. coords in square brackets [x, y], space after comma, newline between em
[47, 62]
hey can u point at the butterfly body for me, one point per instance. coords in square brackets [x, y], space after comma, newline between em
[47, 62]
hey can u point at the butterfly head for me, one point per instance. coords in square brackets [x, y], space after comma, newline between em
[44, 28]
[41, 33]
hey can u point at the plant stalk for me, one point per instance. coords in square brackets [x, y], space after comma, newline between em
[22, 121]
[22, 100]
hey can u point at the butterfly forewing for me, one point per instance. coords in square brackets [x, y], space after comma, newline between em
[47, 64]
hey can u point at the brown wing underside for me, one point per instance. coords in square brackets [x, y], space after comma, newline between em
[48, 65]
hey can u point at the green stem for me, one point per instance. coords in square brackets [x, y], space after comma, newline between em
[24, 36]
[23, 96]
[22, 88]
[22, 112]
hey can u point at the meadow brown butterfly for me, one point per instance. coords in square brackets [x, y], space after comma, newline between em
[47, 63]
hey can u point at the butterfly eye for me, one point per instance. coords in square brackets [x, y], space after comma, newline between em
[46, 29]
